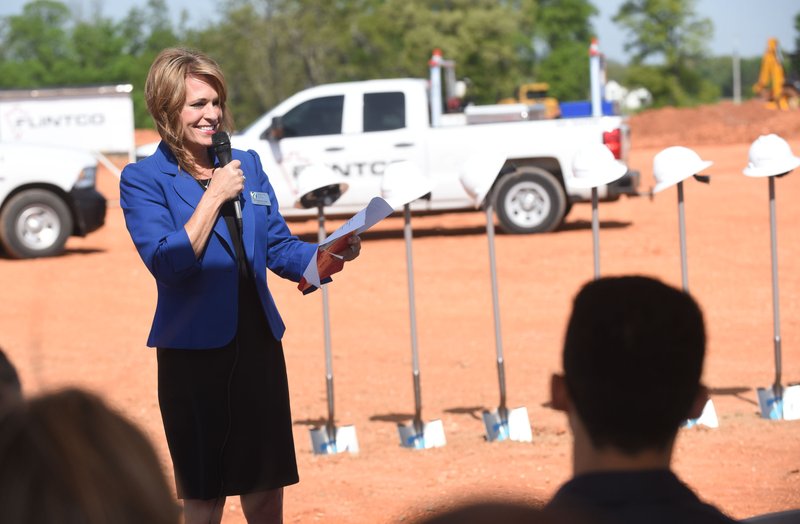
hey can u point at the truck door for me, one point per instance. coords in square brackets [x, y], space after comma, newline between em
[356, 134]
[312, 132]
[381, 136]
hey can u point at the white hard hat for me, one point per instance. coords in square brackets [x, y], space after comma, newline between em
[479, 172]
[318, 184]
[676, 164]
[594, 165]
[403, 182]
[770, 155]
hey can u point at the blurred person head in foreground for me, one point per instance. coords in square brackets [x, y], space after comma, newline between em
[10, 386]
[633, 358]
[503, 512]
[66, 457]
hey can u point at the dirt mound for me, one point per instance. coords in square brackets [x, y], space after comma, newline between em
[722, 123]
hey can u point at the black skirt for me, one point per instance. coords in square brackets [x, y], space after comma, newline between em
[226, 411]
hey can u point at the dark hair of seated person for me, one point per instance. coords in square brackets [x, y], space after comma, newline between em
[504, 512]
[633, 357]
[67, 458]
[10, 386]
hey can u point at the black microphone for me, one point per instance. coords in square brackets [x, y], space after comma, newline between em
[222, 148]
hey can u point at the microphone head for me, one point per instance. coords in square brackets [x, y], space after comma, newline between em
[221, 143]
[220, 139]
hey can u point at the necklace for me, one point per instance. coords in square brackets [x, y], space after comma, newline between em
[203, 182]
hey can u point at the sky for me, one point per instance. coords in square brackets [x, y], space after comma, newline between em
[739, 25]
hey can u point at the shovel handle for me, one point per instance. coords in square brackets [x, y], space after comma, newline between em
[330, 425]
[501, 375]
[417, 422]
[412, 313]
[682, 232]
[498, 338]
[776, 312]
[331, 414]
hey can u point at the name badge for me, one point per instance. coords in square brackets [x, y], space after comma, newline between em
[260, 199]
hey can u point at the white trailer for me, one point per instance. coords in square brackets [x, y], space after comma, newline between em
[50, 143]
[98, 119]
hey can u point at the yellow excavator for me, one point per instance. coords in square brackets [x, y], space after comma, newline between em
[772, 85]
[536, 93]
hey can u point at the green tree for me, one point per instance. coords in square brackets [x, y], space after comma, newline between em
[260, 62]
[490, 41]
[719, 71]
[666, 29]
[144, 32]
[565, 28]
[566, 70]
[667, 33]
[48, 45]
[35, 48]
[272, 49]
[97, 53]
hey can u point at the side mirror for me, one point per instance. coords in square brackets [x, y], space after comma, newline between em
[275, 130]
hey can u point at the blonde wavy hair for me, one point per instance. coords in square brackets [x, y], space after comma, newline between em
[165, 95]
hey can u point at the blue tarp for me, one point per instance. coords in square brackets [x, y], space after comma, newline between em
[580, 108]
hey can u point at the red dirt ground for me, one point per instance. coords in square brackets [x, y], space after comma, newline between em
[82, 319]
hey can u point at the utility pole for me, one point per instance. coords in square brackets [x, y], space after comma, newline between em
[737, 76]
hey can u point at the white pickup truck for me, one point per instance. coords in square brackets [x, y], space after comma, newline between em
[47, 194]
[358, 128]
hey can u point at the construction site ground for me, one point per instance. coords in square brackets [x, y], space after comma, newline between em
[82, 319]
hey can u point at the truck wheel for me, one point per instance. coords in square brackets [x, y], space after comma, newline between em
[35, 223]
[531, 200]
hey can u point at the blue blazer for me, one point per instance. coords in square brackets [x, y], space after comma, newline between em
[198, 297]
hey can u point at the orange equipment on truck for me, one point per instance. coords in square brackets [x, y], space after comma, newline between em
[536, 93]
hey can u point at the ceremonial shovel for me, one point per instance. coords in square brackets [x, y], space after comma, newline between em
[672, 166]
[402, 184]
[501, 423]
[770, 156]
[320, 187]
[777, 402]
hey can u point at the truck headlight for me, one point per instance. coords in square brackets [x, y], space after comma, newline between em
[87, 178]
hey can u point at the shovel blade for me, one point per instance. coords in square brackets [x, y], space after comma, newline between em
[345, 440]
[791, 403]
[707, 418]
[785, 407]
[432, 435]
[771, 405]
[517, 427]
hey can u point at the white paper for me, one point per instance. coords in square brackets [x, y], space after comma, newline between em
[376, 210]
[311, 274]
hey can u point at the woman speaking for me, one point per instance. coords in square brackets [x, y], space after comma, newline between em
[222, 385]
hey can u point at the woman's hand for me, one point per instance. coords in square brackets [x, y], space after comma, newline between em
[353, 249]
[329, 263]
[227, 182]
